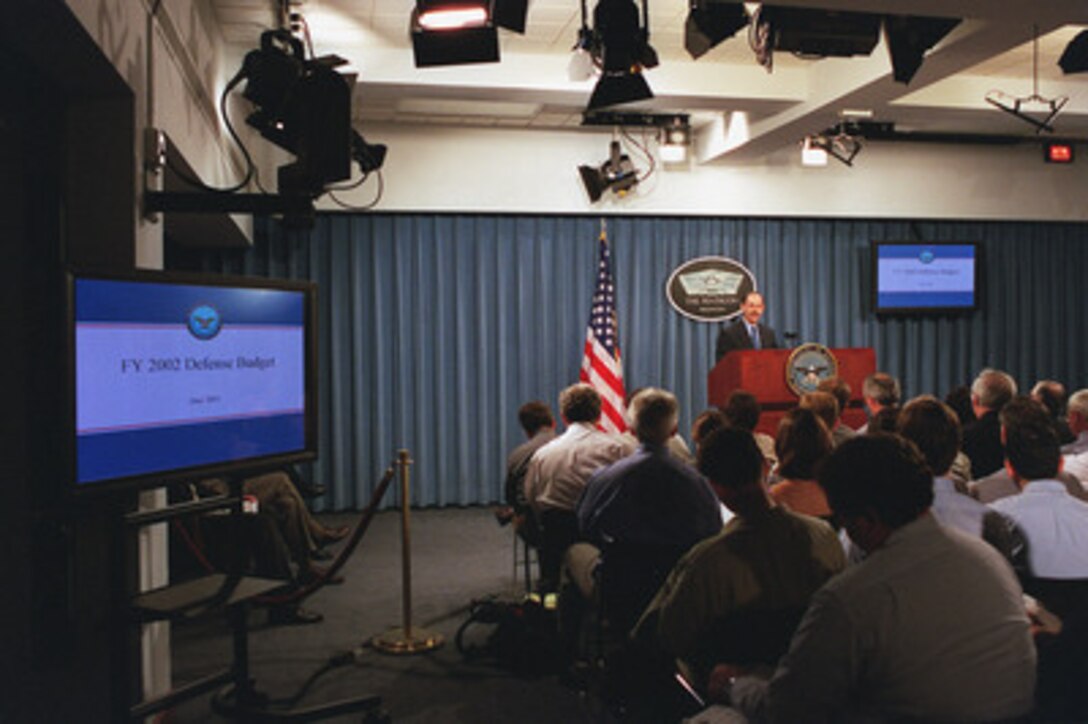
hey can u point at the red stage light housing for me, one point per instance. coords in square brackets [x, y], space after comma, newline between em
[454, 17]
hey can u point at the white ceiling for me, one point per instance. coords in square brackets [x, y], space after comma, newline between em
[991, 50]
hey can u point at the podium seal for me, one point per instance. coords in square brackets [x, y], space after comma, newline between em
[809, 365]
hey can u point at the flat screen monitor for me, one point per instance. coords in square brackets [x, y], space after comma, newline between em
[914, 278]
[182, 376]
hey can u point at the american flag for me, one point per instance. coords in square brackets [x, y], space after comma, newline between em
[601, 365]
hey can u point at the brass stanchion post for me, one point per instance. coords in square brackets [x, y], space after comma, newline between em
[406, 639]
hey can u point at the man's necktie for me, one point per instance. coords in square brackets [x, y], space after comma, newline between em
[755, 336]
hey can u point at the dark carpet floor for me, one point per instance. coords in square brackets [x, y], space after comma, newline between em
[457, 555]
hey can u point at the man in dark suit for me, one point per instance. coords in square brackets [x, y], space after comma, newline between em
[746, 332]
[990, 391]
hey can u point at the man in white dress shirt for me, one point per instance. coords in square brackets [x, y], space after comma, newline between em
[558, 473]
[1076, 452]
[1054, 523]
[934, 428]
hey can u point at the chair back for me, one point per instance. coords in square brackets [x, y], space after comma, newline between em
[629, 576]
[1060, 691]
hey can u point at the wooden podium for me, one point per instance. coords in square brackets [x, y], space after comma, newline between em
[763, 373]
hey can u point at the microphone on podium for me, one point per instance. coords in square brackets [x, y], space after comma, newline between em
[791, 339]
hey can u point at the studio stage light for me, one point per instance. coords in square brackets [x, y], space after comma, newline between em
[617, 174]
[675, 139]
[457, 32]
[303, 106]
[625, 50]
[820, 33]
[586, 53]
[710, 22]
[1075, 57]
[369, 156]
[909, 37]
[453, 33]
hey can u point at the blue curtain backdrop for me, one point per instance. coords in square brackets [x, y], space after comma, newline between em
[435, 328]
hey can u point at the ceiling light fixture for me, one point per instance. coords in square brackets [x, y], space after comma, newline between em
[909, 37]
[710, 22]
[1075, 57]
[1019, 107]
[811, 33]
[814, 33]
[674, 140]
[837, 142]
[585, 57]
[453, 18]
[456, 32]
[625, 51]
[302, 105]
[811, 154]
[369, 156]
[617, 174]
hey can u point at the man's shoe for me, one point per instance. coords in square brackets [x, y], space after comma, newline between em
[292, 615]
[332, 535]
[311, 490]
[313, 572]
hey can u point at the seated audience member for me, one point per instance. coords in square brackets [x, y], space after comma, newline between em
[886, 420]
[300, 536]
[1076, 453]
[838, 389]
[742, 411]
[303, 534]
[1054, 523]
[930, 626]
[1056, 528]
[675, 444]
[990, 391]
[707, 422]
[738, 596]
[933, 427]
[824, 405]
[803, 442]
[538, 424]
[878, 391]
[1052, 394]
[959, 399]
[308, 489]
[558, 472]
[639, 515]
[1001, 484]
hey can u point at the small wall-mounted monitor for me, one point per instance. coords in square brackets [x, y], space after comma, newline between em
[912, 278]
[180, 376]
